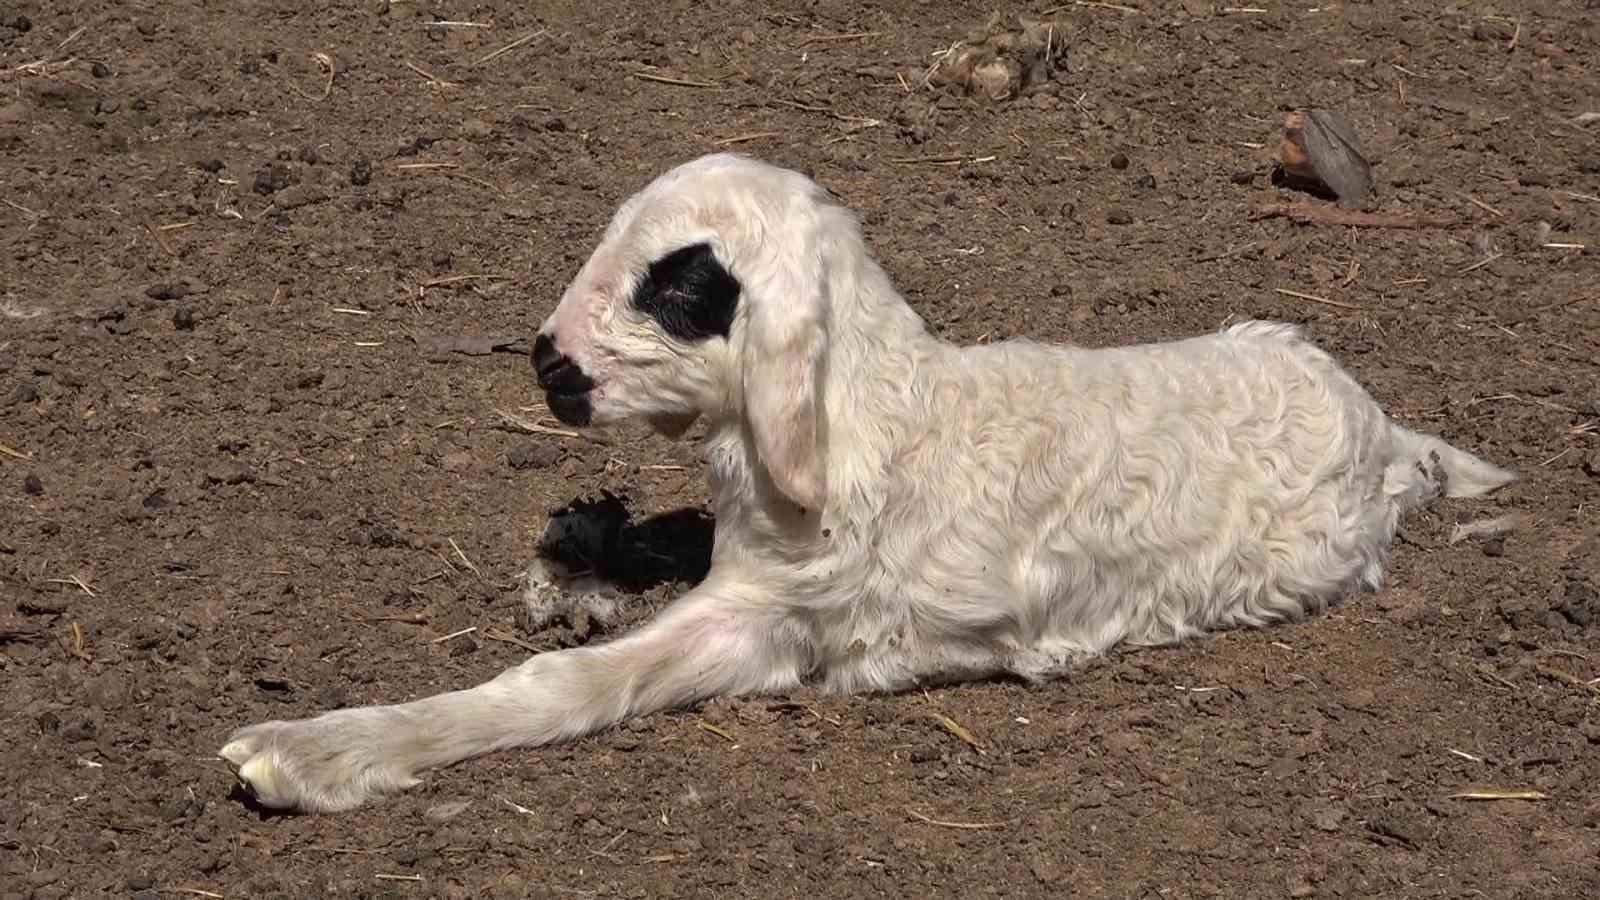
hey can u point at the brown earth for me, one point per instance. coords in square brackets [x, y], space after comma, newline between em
[241, 482]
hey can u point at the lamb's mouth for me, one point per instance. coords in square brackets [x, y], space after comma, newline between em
[570, 407]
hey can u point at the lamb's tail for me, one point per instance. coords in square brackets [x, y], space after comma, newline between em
[1425, 466]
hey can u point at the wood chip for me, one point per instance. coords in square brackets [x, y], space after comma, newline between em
[960, 731]
[965, 826]
[678, 82]
[719, 732]
[1499, 794]
[1320, 148]
[1316, 214]
[1325, 301]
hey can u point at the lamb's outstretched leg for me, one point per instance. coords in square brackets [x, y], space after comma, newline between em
[719, 639]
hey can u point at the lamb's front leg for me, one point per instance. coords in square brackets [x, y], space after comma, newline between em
[719, 639]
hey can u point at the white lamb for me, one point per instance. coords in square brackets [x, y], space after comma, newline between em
[893, 510]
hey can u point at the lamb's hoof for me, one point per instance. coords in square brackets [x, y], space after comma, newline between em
[333, 762]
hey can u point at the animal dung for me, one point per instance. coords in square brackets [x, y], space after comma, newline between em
[998, 62]
[1320, 154]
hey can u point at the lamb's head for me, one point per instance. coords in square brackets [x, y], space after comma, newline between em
[708, 295]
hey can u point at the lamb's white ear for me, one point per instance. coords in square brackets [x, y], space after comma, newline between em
[785, 346]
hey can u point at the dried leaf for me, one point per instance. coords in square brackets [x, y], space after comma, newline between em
[474, 344]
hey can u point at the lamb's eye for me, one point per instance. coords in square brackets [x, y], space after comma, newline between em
[690, 293]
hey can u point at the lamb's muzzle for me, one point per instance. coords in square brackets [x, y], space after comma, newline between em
[893, 510]
[566, 387]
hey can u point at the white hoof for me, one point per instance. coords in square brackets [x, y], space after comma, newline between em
[334, 762]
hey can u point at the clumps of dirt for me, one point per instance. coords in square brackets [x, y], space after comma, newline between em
[1001, 60]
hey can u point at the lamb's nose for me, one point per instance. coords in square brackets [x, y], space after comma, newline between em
[546, 359]
[556, 371]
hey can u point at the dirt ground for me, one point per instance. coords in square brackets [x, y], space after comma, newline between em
[242, 480]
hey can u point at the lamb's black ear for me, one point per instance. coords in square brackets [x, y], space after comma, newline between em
[690, 293]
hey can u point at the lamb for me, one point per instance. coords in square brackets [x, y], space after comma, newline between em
[892, 510]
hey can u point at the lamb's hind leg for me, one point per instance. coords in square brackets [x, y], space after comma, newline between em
[714, 641]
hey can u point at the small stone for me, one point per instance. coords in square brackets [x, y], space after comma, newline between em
[1360, 698]
[100, 70]
[174, 808]
[1047, 870]
[80, 730]
[1591, 815]
[444, 812]
[457, 461]
[1491, 31]
[1591, 465]
[42, 606]
[556, 125]
[1327, 818]
[232, 475]
[212, 166]
[1119, 161]
[26, 392]
[1495, 546]
[167, 291]
[532, 456]
[1119, 217]
[310, 155]
[300, 195]
[1243, 176]
[183, 318]
[1145, 182]
[360, 173]
[272, 179]
[32, 486]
